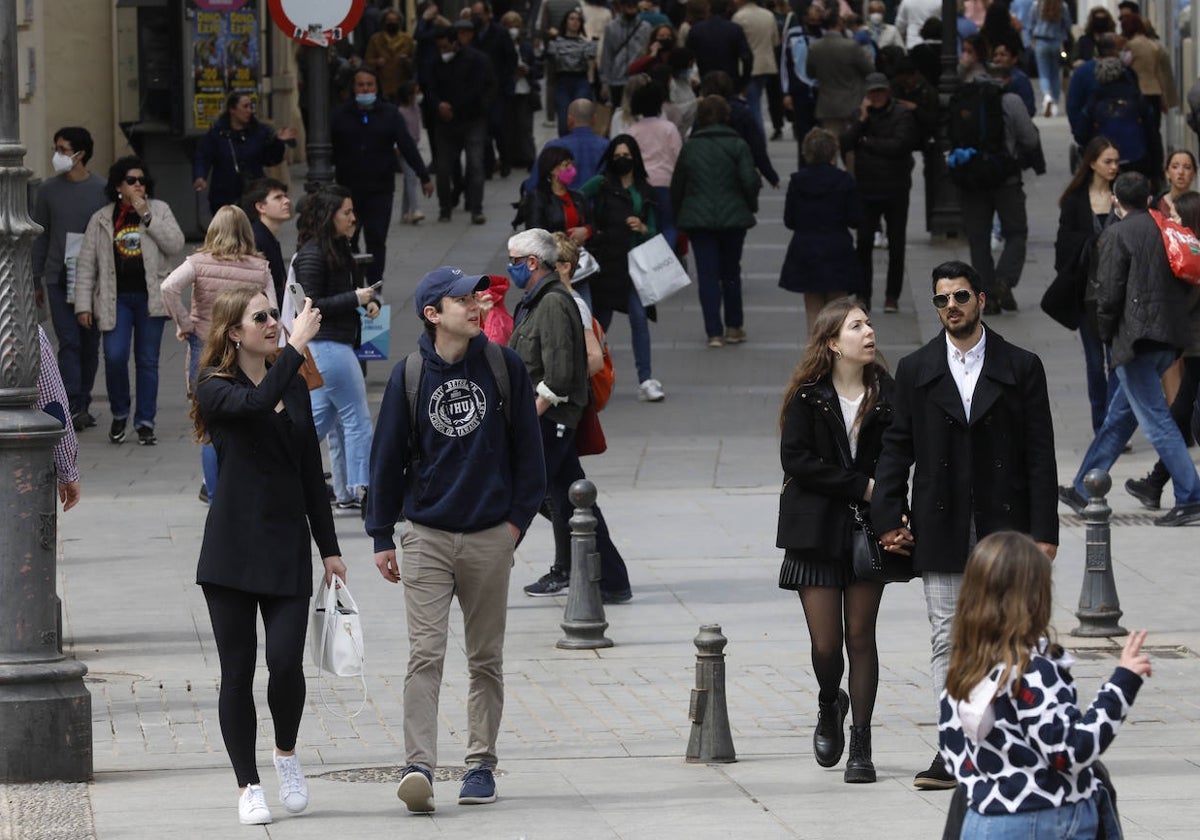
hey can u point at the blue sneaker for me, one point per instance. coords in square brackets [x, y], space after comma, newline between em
[478, 787]
[416, 789]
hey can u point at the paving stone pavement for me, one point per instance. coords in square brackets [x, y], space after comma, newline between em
[592, 743]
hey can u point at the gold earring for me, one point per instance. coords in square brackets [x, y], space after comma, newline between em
[837, 354]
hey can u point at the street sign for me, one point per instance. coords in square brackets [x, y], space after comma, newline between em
[316, 22]
[221, 5]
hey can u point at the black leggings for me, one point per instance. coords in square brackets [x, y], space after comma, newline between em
[233, 614]
[829, 625]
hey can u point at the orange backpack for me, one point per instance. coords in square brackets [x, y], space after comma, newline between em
[603, 379]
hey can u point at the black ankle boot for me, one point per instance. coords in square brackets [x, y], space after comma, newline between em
[829, 739]
[859, 768]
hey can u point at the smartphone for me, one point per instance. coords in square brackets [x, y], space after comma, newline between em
[375, 287]
[296, 293]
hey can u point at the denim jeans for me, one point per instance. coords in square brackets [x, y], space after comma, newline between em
[1081, 819]
[1048, 56]
[208, 455]
[136, 327]
[450, 141]
[665, 215]
[754, 95]
[719, 276]
[344, 397]
[1101, 378]
[639, 332]
[78, 349]
[1140, 401]
[567, 88]
[336, 441]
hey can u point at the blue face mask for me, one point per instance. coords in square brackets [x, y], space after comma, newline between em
[366, 100]
[520, 274]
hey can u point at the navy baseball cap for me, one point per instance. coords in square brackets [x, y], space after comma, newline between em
[446, 281]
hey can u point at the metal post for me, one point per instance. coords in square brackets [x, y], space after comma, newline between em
[45, 710]
[319, 148]
[711, 741]
[945, 215]
[583, 621]
[1099, 607]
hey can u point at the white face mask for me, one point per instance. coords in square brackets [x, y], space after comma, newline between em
[876, 18]
[514, 32]
[62, 163]
[448, 56]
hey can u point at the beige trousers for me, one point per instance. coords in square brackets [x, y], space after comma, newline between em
[436, 566]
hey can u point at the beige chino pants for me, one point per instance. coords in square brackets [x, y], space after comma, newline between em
[435, 567]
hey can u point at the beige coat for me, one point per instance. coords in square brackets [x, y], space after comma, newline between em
[96, 274]
[1153, 68]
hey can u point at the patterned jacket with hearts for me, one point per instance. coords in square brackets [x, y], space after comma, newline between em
[1038, 750]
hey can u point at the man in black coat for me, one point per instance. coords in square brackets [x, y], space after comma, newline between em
[881, 143]
[462, 91]
[366, 134]
[972, 413]
[720, 44]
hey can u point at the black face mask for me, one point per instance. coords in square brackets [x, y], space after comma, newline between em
[392, 28]
[665, 44]
[631, 16]
[621, 165]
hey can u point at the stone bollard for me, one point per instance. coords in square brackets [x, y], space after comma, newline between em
[583, 621]
[711, 741]
[1099, 608]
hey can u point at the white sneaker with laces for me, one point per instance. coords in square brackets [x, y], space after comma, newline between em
[880, 239]
[293, 790]
[252, 806]
[651, 391]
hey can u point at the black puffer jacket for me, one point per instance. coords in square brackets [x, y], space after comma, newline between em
[814, 505]
[331, 288]
[882, 144]
[546, 210]
[1140, 304]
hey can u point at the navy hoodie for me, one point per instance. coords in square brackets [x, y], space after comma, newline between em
[471, 473]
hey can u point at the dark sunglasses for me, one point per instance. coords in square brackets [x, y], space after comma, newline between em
[961, 296]
[135, 179]
[261, 318]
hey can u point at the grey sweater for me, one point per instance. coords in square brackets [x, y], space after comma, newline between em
[63, 206]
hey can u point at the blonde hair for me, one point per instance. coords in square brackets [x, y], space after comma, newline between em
[1003, 611]
[229, 235]
[568, 250]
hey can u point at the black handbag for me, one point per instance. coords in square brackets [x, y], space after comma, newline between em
[868, 558]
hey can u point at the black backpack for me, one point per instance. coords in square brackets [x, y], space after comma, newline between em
[979, 159]
[1114, 110]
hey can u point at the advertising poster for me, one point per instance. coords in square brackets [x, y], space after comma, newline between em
[225, 60]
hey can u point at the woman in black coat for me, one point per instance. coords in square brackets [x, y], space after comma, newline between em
[1085, 209]
[554, 206]
[256, 554]
[834, 414]
[822, 205]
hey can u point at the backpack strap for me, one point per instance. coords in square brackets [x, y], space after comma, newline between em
[495, 359]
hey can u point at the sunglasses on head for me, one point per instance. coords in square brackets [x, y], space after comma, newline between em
[261, 318]
[961, 296]
[135, 179]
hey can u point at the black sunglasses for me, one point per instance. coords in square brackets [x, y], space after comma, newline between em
[260, 318]
[517, 260]
[961, 296]
[135, 179]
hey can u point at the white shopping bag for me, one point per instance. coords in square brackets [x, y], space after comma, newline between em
[335, 632]
[655, 271]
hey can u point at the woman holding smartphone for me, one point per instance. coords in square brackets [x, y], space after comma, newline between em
[256, 555]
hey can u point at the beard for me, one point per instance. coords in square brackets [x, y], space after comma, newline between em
[965, 327]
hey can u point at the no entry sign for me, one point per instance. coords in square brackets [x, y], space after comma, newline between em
[316, 22]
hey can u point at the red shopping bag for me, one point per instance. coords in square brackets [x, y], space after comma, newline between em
[1183, 248]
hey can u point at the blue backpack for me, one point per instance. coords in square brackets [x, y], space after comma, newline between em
[1114, 110]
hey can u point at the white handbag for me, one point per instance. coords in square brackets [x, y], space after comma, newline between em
[335, 637]
[587, 265]
[655, 271]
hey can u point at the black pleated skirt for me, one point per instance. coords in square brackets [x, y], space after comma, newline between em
[809, 567]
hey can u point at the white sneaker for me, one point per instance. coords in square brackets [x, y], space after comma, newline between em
[1049, 107]
[252, 806]
[293, 790]
[651, 391]
[1054, 109]
[997, 242]
[880, 239]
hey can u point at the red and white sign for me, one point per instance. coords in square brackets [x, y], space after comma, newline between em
[316, 22]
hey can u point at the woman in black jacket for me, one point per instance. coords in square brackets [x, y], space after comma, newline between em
[325, 269]
[554, 206]
[1085, 209]
[256, 554]
[832, 423]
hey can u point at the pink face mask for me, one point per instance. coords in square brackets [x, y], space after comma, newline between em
[567, 175]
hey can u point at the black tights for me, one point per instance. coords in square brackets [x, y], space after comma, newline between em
[233, 614]
[823, 610]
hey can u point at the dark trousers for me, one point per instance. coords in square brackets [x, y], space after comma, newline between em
[893, 209]
[978, 208]
[1181, 412]
[520, 151]
[775, 101]
[804, 118]
[718, 256]
[78, 349]
[451, 140]
[374, 212]
[285, 620]
[562, 469]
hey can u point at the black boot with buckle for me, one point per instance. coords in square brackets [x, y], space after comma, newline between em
[829, 739]
[859, 767]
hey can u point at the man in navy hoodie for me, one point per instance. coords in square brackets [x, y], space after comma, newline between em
[469, 478]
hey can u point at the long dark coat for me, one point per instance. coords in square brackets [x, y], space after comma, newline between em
[822, 204]
[814, 504]
[1000, 464]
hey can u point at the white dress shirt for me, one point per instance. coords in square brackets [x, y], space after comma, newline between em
[965, 368]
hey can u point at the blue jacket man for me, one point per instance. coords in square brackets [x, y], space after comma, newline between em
[584, 144]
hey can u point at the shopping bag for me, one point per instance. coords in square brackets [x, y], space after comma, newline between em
[655, 271]
[587, 266]
[335, 640]
[1183, 248]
